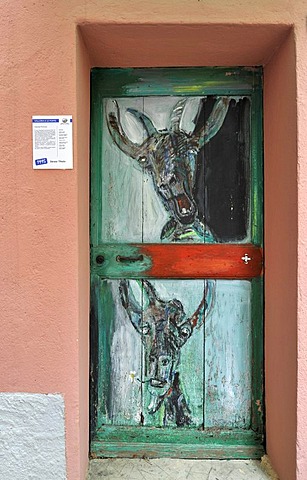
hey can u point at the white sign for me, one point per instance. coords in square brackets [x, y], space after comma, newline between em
[52, 142]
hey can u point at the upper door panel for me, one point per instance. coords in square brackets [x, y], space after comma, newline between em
[176, 169]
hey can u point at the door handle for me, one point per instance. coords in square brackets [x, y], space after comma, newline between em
[123, 259]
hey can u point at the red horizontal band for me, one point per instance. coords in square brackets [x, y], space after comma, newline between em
[203, 260]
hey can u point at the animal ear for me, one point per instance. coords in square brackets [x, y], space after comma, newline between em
[177, 114]
[130, 304]
[118, 135]
[205, 307]
[214, 122]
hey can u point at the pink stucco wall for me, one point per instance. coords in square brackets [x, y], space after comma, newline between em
[280, 124]
[45, 60]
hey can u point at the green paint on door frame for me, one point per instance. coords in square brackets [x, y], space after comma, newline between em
[108, 441]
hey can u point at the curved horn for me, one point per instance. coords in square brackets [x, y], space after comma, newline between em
[177, 114]
[214, 122]
[210, 290]
[145, 121]
[133, 309]
[120, 138]
[206, 305]
[150, 292]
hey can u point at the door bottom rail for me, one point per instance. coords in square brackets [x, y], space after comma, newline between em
[150, 442]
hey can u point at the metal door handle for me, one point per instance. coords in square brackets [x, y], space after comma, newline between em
[123, 259]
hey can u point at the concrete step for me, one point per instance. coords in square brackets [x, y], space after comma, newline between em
[177, 469]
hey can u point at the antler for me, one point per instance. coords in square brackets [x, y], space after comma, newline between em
[120, 138]
[214, 122]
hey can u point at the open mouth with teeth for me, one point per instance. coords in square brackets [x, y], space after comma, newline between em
[185, 209]
[157, 383]
[158, 391]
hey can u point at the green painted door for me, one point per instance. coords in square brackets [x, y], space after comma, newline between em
[176, 263]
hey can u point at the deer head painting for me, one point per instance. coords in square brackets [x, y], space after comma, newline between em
[169, 157]
[164, 328]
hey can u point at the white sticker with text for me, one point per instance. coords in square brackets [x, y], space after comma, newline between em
[52, 142]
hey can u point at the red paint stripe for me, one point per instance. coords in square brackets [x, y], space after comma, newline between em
[203, 261]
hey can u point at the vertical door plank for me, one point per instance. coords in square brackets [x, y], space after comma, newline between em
[227, 173]
[121, 354]
[228, 349]
[175, 348]
[122, 184]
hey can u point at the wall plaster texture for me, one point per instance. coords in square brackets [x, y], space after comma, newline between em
[46, 52]
[32, 437]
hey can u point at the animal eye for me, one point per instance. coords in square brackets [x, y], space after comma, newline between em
[192, 151]
[185, 331]
[142, 160]
[165, 362]
[145, 329]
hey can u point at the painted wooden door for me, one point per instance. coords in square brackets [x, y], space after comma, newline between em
[176, 232]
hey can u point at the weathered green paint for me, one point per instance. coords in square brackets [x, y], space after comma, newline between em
[258, 407]
[182, 443]
[129, 82]
[226, 346]
[228, 351]
[111, 268]
[257, 166]
[220, 442]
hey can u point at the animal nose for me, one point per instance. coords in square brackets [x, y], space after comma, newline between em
[172, 181]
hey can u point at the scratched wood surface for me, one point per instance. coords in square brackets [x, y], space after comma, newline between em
[212, 368]
[171, 352]
[122, 187]
[133, 203]
[211, 372]
[184, 405]
[228, 357]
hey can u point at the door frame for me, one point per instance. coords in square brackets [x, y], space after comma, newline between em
[130, 441]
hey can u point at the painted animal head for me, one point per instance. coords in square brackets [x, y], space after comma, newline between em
[170, 155]
[164, 328]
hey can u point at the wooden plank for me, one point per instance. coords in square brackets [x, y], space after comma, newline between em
[176, 443]
[257, 355]
[169, 450]
[228, 356]
[170, 172]
[203, 261]
[120, 353]
[257, 166]
[224, 261]
[178, 436]
[119, 82]
[227, 165]
[121, 213]
[173, 353]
